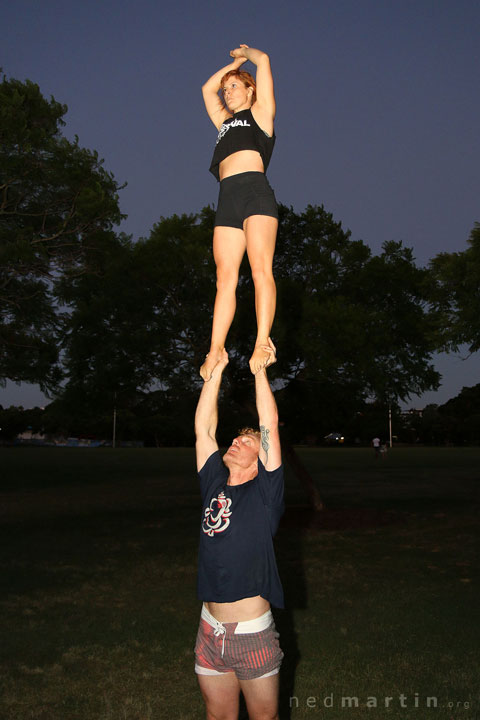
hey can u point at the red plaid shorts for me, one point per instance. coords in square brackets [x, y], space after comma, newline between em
[249, 649]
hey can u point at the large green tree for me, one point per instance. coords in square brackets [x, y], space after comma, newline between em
[349, 327]
[58, 206]
[355, 326]
[135, 334]
[456, 294]
[461, 416]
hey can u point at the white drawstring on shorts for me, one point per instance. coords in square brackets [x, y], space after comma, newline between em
[220, 629]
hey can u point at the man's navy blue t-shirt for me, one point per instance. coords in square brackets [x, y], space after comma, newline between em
[236, 558]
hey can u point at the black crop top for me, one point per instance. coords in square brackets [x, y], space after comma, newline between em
[241, 132]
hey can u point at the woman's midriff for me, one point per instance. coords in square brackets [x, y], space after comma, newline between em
[240, 162]
[239, 611]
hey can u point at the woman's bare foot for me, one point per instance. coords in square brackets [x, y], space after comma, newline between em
[263, 356]
[211, 360]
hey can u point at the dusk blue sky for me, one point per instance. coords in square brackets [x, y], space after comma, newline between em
[378, 108]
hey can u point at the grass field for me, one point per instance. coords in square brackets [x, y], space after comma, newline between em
[98, 567]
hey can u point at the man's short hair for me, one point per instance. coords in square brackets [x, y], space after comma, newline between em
[250, 431]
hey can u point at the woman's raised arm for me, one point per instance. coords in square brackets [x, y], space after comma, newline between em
[217, 112]
[265, 101]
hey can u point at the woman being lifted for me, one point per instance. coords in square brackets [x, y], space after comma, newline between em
[247, 217]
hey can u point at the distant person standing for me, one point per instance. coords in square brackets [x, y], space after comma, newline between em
[376, 443]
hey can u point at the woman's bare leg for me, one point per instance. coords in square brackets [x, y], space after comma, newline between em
[228, 249]
[261, 234]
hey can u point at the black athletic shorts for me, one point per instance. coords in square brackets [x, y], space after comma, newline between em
[242, 195]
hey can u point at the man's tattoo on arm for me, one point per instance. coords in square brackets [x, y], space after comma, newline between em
[265, 432]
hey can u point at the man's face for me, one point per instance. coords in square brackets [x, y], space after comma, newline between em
[243, 451]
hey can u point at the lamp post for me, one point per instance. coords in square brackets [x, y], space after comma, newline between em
[390, 422]
[114, 419]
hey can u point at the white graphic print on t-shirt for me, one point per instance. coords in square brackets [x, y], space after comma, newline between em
[217, 515]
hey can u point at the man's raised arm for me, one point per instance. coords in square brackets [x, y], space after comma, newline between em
[206, 416]
[270, 450]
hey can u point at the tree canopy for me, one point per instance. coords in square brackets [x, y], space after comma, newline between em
[350, 326]
[456, 294]
[58, 207]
